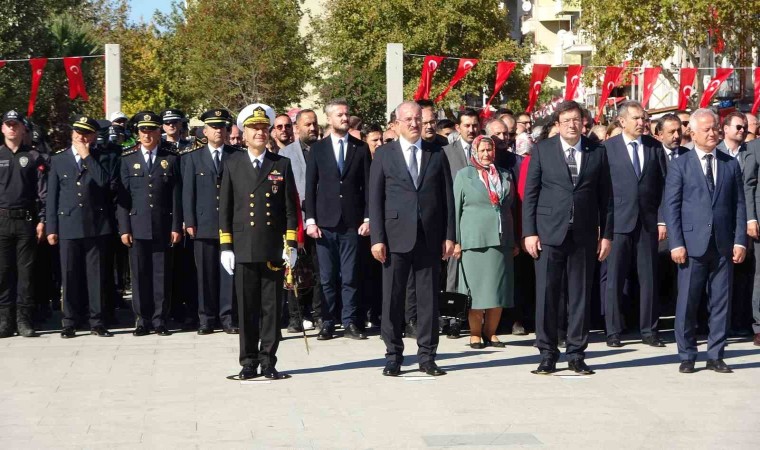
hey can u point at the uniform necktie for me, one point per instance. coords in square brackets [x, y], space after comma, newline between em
[341, 156]
[150, 161]
[636, 160]
[216, 160]
[572, 165]
[709, 174]
[79, 163]
[256, 166]
[413, 169]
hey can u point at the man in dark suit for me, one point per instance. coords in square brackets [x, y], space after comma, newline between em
[202, 169]
[150, 221]
[412, 217]
[565, 226]
[637, 184]
[706, 219]
[668, 132]
[752, 196]
[78, 217]
[257, 209]
[336, 215]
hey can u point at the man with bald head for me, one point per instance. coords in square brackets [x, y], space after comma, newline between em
[411, 209]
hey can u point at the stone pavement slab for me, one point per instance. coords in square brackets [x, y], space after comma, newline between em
[173, 392]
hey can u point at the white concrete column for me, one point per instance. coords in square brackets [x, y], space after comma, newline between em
[113, 79]
[394, 73]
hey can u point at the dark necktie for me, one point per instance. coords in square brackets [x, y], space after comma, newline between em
[79, 163]
[413, 169]
[341, 156]
[150, 161]
[671, 155]
[216, 160]
[636, 160]
[709, 174]
[572, 165]
[256, 166]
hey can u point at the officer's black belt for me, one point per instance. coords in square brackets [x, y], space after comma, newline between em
[15, 213]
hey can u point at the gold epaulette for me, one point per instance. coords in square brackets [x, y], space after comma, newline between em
[60, 151]
[130, 150]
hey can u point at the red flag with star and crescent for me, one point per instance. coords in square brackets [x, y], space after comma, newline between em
[38, 67]
[74, 73]
[540, 71]
[650, 80]
[465, 66]
[573, 80]
[503, 70]
[721, 75]
[756, 104]
[686, 88]
[429, 66]
[611, 77]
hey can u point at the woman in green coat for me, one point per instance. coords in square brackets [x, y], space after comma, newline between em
[483, 196]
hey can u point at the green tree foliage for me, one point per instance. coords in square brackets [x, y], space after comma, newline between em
[350, 41]
[650, 30]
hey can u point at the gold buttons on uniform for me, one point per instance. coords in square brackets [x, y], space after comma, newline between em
[217, 186]
[251, 214]
[150, 185]
[253, 224]
[151, 206]
[251, 205]
[268, 213]
[217, 197]
[80, 205]
[269, 223]
[79, 194]
[268, 205]
[267, 194]
[251, 195]
[341, 196]
[79, 183]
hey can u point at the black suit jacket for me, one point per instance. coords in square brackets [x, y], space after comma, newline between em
[201, 183]
[635, 199]
[333, 197]
[550, 194]
[256, 212]
[664, 162]
[79, 202]
[396, 207]
[150, 202]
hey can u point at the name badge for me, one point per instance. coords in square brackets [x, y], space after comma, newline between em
[273, 177]
[5, 163]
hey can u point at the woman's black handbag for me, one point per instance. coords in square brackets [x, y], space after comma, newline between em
[454, 308]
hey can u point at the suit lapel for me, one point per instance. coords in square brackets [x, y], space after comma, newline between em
[400, 161]
[207, 160]
[423, 163]
[349, 156]
[697, 165]
[722, 174]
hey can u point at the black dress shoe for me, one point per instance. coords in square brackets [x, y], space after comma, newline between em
[325, 333]
[477, 345]
[68, 332]
[392, 369]
[295, 326]
[652, 341]
[497, 344]
[579, 366]
[718, 365]
[411, 329]
[562, 343]
[546, 367]
[614, 341]
[248, 372]
[353, 332]
[686, 367]
[140, 331]
[161, 330]
[272, 374]
[205, 330]
[232, 330]
[101, 331]
[432, 369]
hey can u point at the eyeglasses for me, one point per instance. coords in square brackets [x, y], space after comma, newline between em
[387, 140]
[570, 120]
[430, 123]
[286, 126]
[411, 120]
[685, 123]
[528, 122]
[172, 123]
[740, 127]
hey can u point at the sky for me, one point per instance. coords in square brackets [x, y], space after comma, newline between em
[145, 8]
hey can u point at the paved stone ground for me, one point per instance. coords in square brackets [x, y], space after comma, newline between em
[172, 392]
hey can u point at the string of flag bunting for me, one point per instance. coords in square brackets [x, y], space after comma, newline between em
[73, 67]
[613, 76]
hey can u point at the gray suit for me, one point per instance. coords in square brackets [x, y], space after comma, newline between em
[295, 153]
[752, 196]
[457, 161]
[740, 158]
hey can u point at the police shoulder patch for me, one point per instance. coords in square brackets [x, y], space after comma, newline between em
[60, 151]
[130, 150]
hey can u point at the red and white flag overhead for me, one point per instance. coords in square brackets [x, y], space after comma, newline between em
[74, 73]
[540, 71]
[465, 66]
[686, 88]
[721, 75]
[756, 104]
[650, 81]
[611, 77]
[573, 80]
[503, 70]
[38, 67]
[429, 66]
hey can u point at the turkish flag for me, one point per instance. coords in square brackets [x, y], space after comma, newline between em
[465, 65]
[756, 104]
[611, 77]
[2, 64]
[503, 70]
[429, 66]
[650, 80]
[38, 66]
[74, 73]
[540, 71]
[686, 89]
[721, 75]
[573, 80]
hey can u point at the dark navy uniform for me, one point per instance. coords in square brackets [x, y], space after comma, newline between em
[257, 209]
[202, 170]
[23, 191]
[79, 212]
[150, 210]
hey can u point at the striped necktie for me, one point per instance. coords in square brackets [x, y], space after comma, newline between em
[572, 165]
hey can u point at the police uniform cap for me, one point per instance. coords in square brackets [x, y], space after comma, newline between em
[171, 115]
[85, 124]
[147, 119]
[217, 117]
[12, 116]
[255, 113]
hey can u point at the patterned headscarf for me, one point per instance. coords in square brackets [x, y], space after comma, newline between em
[489, 175]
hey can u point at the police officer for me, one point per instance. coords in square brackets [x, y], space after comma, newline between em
[202, 170]
[150, 221]
[174, 126]
[23, 190]
[257, 209]
[78, 213]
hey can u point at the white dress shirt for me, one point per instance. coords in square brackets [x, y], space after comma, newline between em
[576, 155]
[728, 151]
[465, 146]
[260, 158]
[668, 152]
[639, 150]
[336, 145]
[76, 155]
[211, 151]
[406, 149]
[147, 152]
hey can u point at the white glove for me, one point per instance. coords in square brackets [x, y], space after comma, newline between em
[291, 257]
[228, 261]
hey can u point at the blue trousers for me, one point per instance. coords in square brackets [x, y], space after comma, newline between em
[336, 251]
